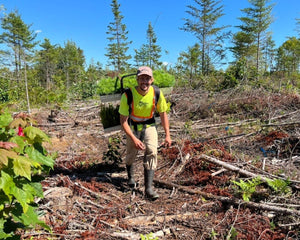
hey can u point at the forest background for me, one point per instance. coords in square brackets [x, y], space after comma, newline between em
[37, 72]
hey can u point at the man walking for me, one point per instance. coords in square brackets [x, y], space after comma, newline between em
[137, 109]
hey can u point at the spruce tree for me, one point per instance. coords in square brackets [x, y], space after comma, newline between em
[47, 60]
[154, 49]
[202, 23]
[254, 27]
[118, 40]
[141, 56]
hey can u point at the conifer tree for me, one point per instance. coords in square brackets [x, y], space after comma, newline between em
[118, 46]
[154, 49]
[190, 62]
[254, 33]
[202, 23]
[141, 56]
[47, 63]
[17, 36]
[21, 39]
[71, 62]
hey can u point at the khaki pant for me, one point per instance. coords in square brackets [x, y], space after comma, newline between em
[151, 141]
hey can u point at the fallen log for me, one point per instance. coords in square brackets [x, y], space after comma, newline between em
[231, 167]
[227, 200]
[239, 170]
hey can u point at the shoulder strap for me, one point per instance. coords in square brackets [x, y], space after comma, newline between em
[129, 95]
[157, 93]
[129, 98]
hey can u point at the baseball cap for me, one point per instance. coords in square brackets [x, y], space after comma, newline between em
[144, 70]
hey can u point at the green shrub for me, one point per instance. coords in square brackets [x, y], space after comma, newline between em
[106, 86]
[109, 85]
[163, 79]
[23, 160]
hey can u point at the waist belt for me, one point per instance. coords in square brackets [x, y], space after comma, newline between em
[149, 121]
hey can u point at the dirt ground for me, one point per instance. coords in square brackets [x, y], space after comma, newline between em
[217, 139]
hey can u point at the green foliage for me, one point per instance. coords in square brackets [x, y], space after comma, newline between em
[213, 234]
[109, 85]
[4, 90]
[22, 161]
[232, 234]
[84, 89]
[248, 188]
[109, 115]
[113, 156]
[163, 79]
[229, 81]
[279, 185]
[148, 236]
[106, 86]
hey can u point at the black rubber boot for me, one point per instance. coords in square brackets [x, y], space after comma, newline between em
[149, 174]
[130, 173]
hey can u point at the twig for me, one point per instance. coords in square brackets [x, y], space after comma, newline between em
[90, 191]
[280, 124]
[232, 226]
[289, 224]
[95, 204]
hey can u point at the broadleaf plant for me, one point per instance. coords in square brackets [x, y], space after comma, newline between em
[23, 163]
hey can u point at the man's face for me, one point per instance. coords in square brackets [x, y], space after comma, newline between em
[144, 82]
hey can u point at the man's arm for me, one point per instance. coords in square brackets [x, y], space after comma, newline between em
[165, 123]
[124, 123]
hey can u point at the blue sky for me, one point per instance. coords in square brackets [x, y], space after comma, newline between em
[85, 22]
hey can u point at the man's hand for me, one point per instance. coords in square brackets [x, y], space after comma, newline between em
[138, 144]
[167, 142]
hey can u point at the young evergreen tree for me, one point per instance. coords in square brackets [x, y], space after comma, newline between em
[254, 27]
[202, 24]
[141, 56]
[269, 53]
[154, 49]
[191, 63]
[47, 60]
[71, 63]
[118, 46]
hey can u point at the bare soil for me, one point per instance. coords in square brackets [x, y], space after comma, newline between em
[87, 197]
